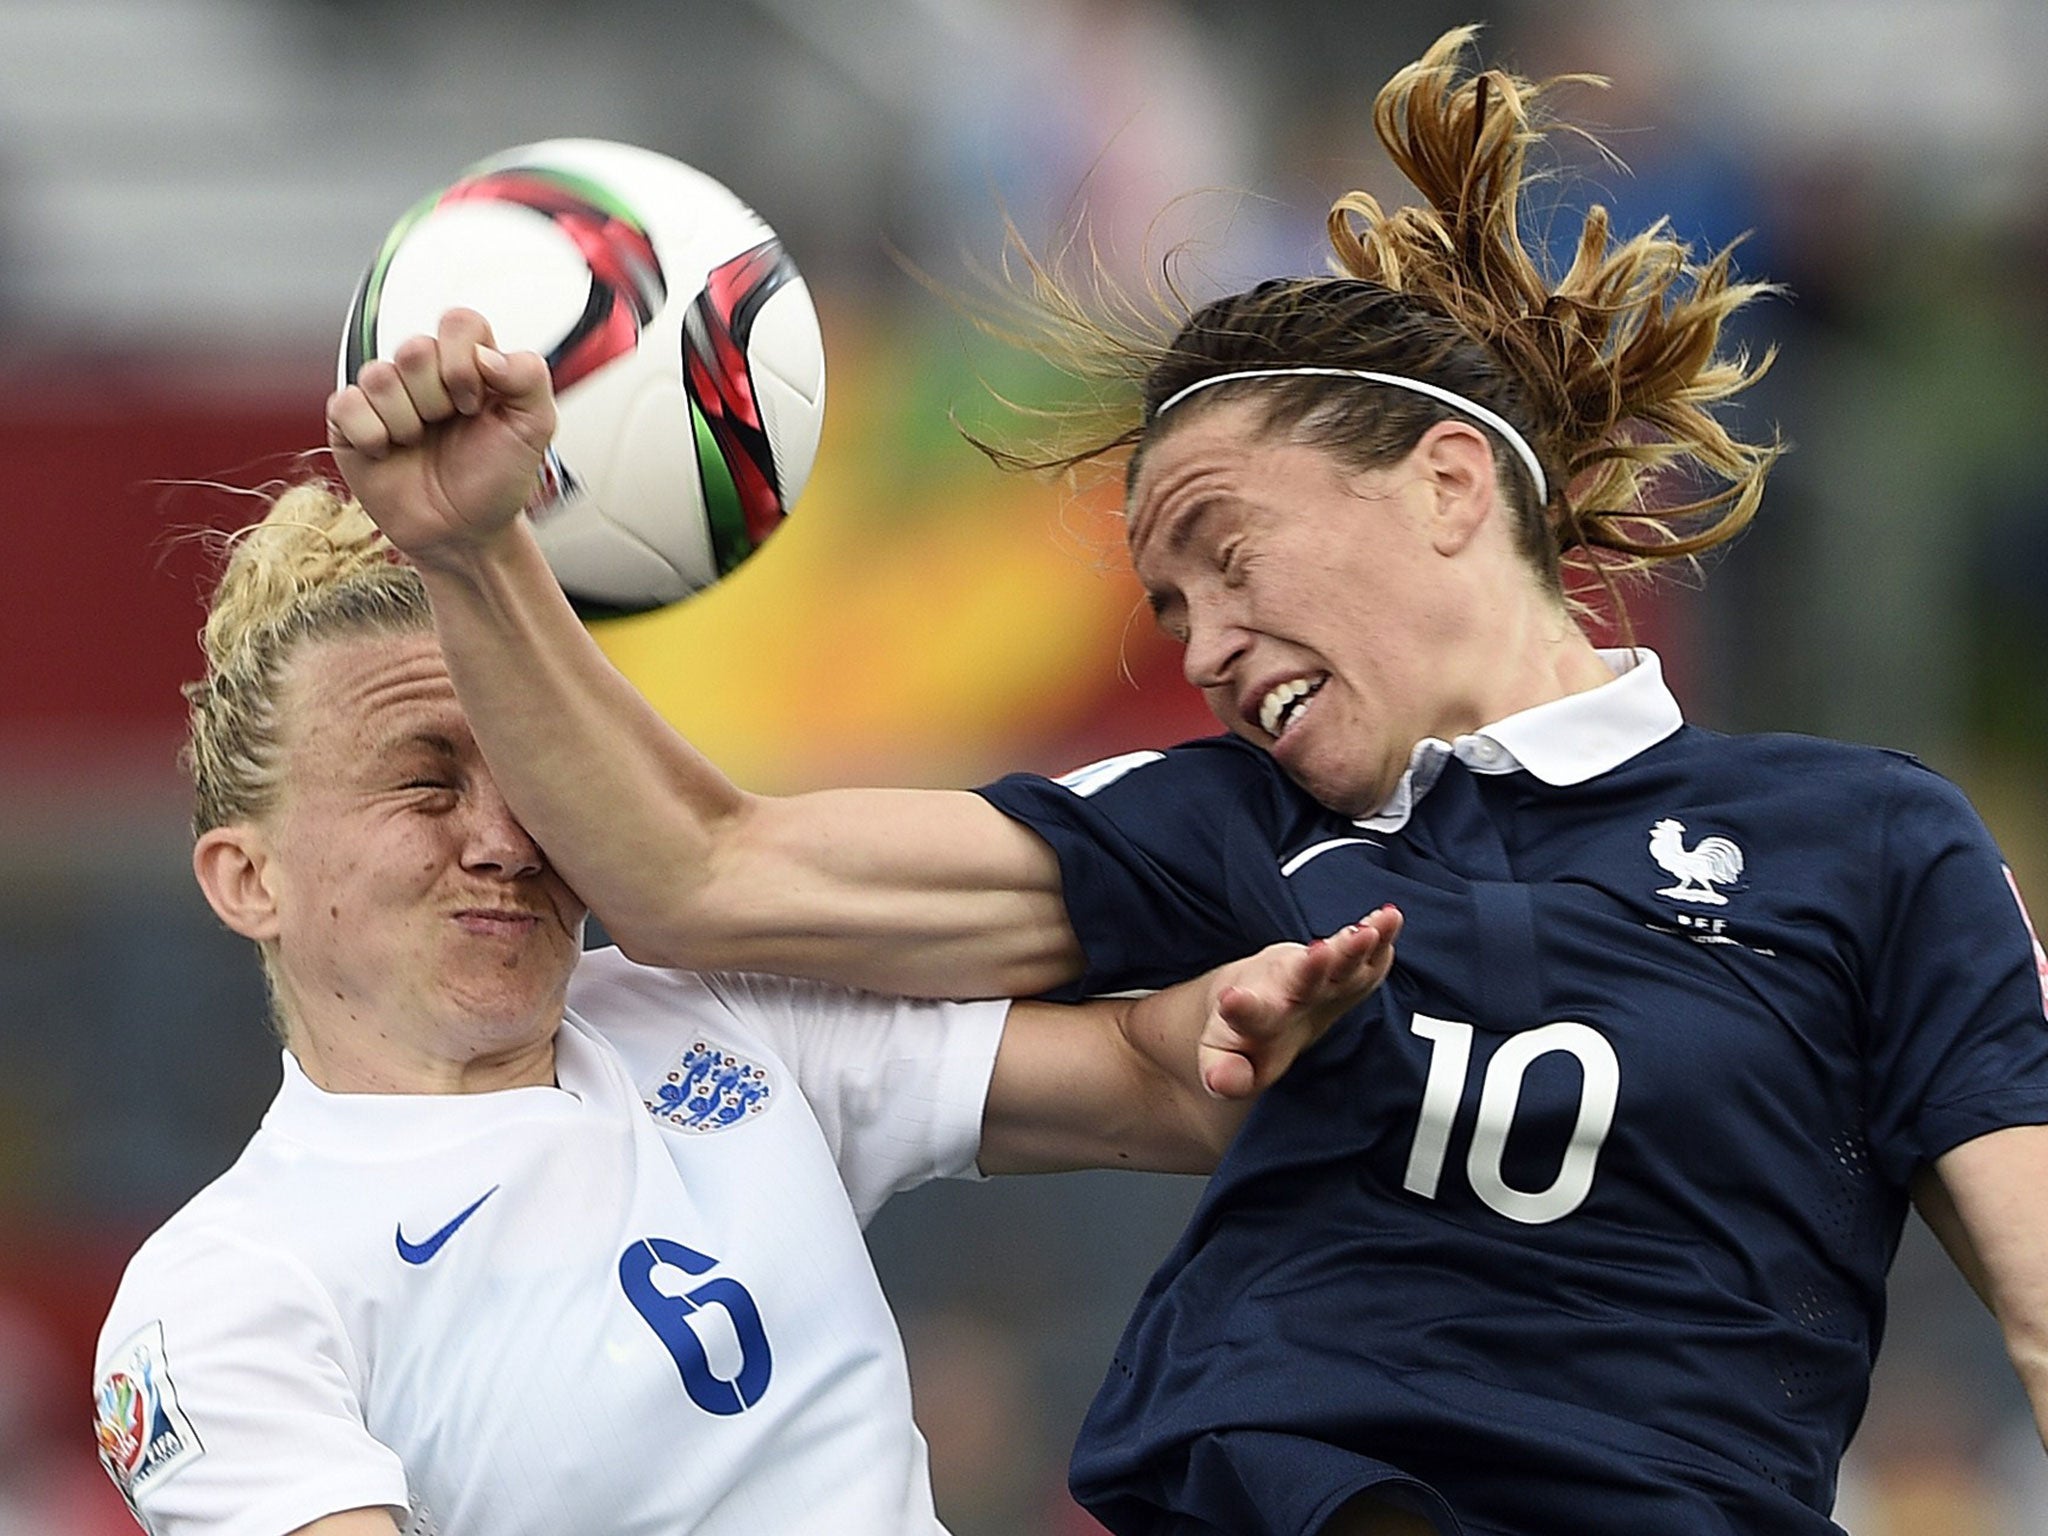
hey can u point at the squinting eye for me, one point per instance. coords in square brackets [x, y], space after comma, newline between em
[1170, 624]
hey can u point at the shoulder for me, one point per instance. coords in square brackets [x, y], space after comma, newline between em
[647, 1013]
[1786, 752]
[1805, 770]
[225, 1362]
[1851, 769]
[221, 1269]
[236, 1228]
[1858, 829]
[241, 1212]
[1222, 759]
[1197, 785]
[620, 999]
[607, 989]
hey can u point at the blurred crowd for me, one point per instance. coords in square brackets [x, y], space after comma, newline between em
[189, 189]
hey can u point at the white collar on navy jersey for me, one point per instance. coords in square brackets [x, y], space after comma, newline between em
[1566, 741]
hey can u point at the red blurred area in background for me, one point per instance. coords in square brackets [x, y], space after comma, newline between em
[99, 602]
[55, 1286]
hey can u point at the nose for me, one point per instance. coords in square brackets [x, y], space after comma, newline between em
[497, 843]
[1215, 644]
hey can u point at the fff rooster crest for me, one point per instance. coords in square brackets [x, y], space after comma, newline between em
[1711, 862]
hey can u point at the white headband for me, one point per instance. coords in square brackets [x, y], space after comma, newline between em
[1456, 402]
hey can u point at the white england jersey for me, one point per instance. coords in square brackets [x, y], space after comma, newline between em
[634, 1303]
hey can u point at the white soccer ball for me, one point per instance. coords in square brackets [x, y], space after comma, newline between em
[686, 355]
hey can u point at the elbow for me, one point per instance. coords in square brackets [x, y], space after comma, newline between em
[652, 941]
[634, 944]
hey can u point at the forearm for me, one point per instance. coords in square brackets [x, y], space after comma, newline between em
[2026, 1345]
[1163, 1035]
[1985, 1202]
[1164, 1081]
[1094, 1085]
[922, 892]
[628, 811]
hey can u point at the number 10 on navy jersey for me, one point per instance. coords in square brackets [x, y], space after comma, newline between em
[1500, 1095]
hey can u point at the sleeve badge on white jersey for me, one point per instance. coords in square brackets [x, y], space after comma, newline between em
[143, 1435]
[709, 1088]
[1099, 776]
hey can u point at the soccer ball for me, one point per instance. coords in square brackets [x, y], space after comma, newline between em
[687, 361]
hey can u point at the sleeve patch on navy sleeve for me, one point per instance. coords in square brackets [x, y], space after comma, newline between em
[143, 1435]
[1099, 776]
[2040, 955]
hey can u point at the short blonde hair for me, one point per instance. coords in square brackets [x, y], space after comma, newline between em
[314, 567]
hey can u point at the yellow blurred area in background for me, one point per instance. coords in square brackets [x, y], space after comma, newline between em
[909, 623]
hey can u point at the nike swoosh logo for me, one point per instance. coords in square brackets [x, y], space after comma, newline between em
[419, 1253]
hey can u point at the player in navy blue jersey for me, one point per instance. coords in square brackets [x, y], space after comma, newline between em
[1579, 1227]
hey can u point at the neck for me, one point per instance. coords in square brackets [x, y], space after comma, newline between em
[1527, 654]
[373, 1062]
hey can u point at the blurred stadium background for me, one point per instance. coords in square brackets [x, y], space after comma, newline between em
[189, 189]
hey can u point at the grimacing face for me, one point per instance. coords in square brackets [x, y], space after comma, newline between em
[1317, 616]
[407, 896]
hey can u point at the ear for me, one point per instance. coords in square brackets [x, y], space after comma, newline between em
[232, 865]
[1456, 459]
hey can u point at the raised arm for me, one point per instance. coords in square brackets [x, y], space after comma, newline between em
[925, 892]
[1162, 1082]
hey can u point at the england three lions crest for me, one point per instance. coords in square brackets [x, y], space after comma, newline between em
[1711, 862]
[709, 1089]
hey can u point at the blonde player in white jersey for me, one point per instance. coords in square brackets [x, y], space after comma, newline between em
[539, 1242]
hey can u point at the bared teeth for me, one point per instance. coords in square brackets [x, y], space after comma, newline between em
[1284, 702]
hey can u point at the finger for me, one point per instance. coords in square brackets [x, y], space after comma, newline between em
[385, 390]
[519, 377]
[1228, 1075]
[1229, 1063]
[353, 425]
[1284, 981]
[524, 393]
[1311, 975]
[1303, 986]
[1285, 997]
[1364, 950]
[1249, 1040]
[1389, 921]
[460, 333]
[418, 360]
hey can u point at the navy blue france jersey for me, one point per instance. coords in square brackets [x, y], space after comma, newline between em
[1580, 1224]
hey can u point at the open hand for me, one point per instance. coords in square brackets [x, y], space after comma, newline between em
[443, 444]
[1270, 1008]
